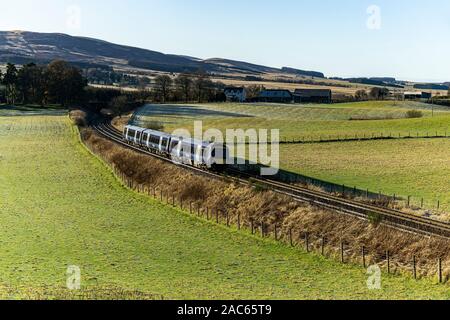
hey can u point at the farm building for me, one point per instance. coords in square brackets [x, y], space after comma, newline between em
[312, 96]
[280, 96]
[415, 95]
[235, 94]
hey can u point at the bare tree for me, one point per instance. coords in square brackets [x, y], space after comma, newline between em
[361, 95]
[163, 85]
[379, 93]
[253, 91]
[118, 105]
[201, 84]
[184, 84]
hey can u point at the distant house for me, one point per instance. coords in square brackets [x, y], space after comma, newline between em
[235, 94]
[278, 96]
[426, 95]
[312, 96]
[415, 95]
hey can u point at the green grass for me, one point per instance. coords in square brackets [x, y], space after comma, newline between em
[417, 168]
[61, 206]
[305, 121]
[30, 110]
[404, 167]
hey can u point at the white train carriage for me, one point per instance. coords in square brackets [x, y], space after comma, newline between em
[149, 139]
[187, 151]
[133, 134]
[199, 153]
[155, 141]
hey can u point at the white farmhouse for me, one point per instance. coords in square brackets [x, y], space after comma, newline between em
[235, 94]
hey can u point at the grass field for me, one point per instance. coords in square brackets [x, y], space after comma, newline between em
[61, 206]
[419, 168]
[305, 121]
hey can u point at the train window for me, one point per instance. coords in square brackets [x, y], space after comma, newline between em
[174, 144]
[154, 139]
[131, 133]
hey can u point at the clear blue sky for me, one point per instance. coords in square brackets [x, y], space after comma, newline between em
[409, 41]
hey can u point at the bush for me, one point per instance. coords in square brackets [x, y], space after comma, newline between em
[411, 114]
[152, 125]
[79, 118]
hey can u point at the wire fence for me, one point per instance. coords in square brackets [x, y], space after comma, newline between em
[395, 201]
[343, 251]
[62, 293]
[363, 137]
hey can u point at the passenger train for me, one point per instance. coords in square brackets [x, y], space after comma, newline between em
[214, 156]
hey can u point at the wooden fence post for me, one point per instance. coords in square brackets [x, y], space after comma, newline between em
[388, 259]
[307, 242]
[323, 246]
[414, 267]
[262, 230]
[252, 226]
[342, 252]
[217, 216]
[228, 219]
[173, 200]
[239, 221]
[275, 232]
[290, 237]
[190, 207]
[440, 278]
[364, 257]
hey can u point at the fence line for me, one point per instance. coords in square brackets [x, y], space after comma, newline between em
[393, 201]
[345, 252]
[330, 138]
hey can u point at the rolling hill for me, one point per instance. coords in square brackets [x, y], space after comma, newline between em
[22, 46]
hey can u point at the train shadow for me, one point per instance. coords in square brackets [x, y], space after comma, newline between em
[163, 110]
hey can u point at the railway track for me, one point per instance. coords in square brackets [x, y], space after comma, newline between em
[393, 218]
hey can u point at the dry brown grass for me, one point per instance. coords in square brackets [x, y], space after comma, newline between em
[262, 206]
[120, 122]
[110, 293]
[78, 117]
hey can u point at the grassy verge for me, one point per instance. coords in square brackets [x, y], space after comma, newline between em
[61, 206]
[417, 168]
[305, 122]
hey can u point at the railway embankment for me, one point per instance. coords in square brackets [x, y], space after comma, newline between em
[269, 214]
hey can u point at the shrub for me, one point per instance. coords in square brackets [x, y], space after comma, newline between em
[153, 125]
[411, 114]
[79, 118]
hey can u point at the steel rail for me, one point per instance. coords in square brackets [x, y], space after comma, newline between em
[393, 218]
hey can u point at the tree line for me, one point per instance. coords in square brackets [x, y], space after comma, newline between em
[197, 87]
[56, 83]
[60, 83]
[374, 94]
